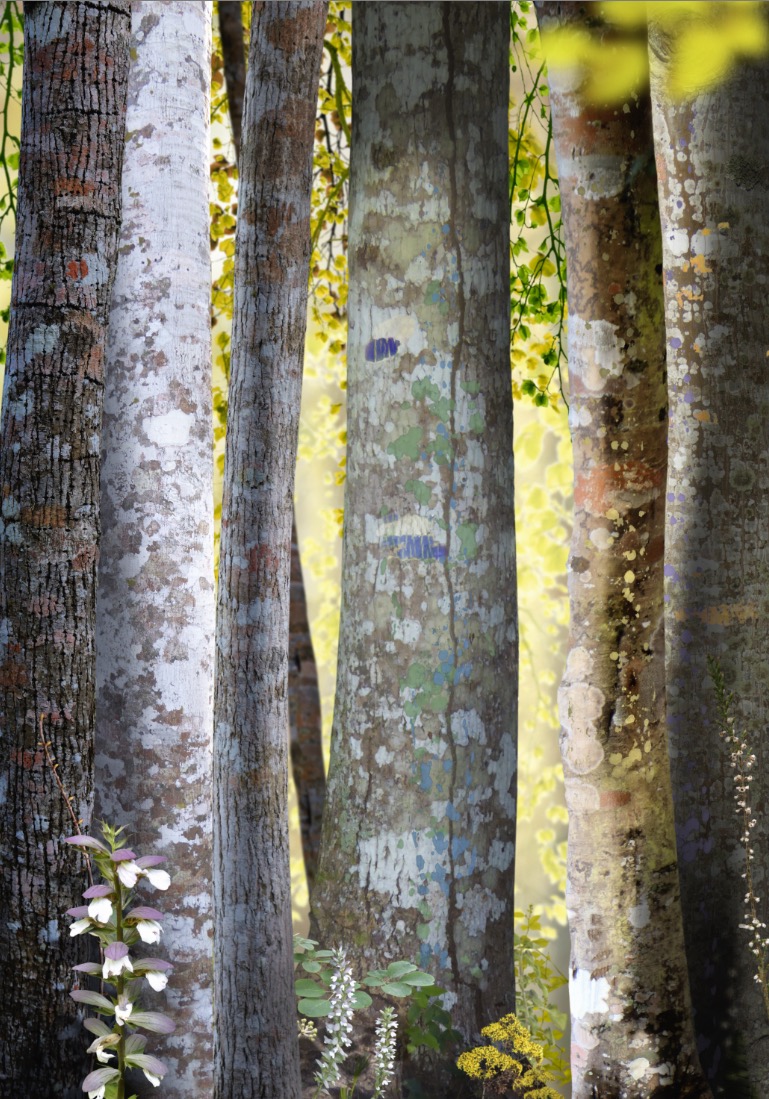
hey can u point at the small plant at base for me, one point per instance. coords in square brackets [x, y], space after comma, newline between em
[332, 991]
[742, 760]
[536, 979]
[515, 1068]
[110, 919]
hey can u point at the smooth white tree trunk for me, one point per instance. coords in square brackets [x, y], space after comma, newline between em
[155, 611]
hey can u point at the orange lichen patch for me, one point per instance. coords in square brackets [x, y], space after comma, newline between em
[13, 675]
[263, 558]
[597, 490]
[700, 265]
[49, 515]
[704, 417]
[688, 293]
[84, 559]
[77, 269]
[612, 799]
[27, 758]
[721, 614]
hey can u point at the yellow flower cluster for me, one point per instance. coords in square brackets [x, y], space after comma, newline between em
[518, 1069]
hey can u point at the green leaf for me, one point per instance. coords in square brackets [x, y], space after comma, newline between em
[397, 969]
[311, 967]
[308, 988]
[314, 1009]
[361, 1000]
[395, 988]
[417, 980]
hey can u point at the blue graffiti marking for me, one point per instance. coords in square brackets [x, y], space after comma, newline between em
[420, 546]
[383, 348]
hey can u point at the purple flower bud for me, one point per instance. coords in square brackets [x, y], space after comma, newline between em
[86, 841]
[150, 860]
[142, 912]
[97, 891]
[122, 854]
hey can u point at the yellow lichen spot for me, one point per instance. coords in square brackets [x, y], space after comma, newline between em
[725, 225]
[624, 446]
[613, 656]
[703, 416]
[615, 759]
[629, 577]
[630, 555]
[700, 265]
[628, 594]
[630, 720]
[648, 746]
[612, 514]
[614, 444]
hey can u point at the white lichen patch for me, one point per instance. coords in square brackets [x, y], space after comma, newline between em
[638, 1068]
[587, 995]
[639, 915]
[595, 352]
[169, 429]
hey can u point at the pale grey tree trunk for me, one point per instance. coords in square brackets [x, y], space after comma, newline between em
[417, 856]
[75, 77]
[155, 609]
[632, 1032]
[256, 1040]
[713, 167]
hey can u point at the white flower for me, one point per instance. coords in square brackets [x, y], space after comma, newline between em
[123, 1011]
[98, 1094]
[79, 926]
[152, 1079]
[149, 931]
[116, 960]
[159, 878]
[156, 980]
[99, 1047]
[128, 872]
[100, 909]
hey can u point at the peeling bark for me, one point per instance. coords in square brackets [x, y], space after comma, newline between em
[632, 1032]
[155, 612]
[75, 74]
[305, 728]
[713, 168]
[417, 855]
[256, 1043]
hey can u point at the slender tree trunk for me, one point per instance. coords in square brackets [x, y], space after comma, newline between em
[257, 1050]
[712, 155]
[155, 614]
[632, 1033]
[304, 714]
[75, 74]
[234, 57]
[417, 856]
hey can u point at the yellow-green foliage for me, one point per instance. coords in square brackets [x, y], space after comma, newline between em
[706, 40]
[515, 1068]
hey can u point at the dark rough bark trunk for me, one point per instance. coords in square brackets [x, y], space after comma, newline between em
[234, 57]
[713, 168]
[304, 713]
[632, 1031]
[417, 854]
[73, 127]
[256, 1042]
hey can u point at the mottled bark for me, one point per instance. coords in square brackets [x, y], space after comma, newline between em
[304, 715]
[155, 613]
[713, 167]
[632, 1033]
[75, 73]
[257, 1051]
[417, 855]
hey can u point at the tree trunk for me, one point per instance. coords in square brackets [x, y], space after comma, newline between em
[73, 125]
[631, 1017]
[155, 614]
[417, 856]
[257, 1050]
[305, 726]
[712, 157]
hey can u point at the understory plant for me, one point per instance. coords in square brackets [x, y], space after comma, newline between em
[111, 917]
[511, 1063]
[331, 991]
